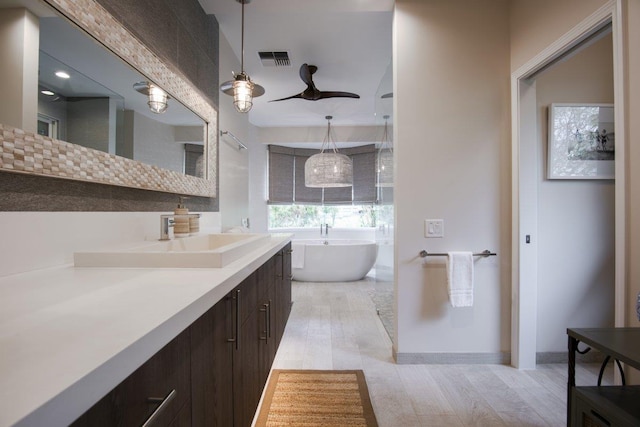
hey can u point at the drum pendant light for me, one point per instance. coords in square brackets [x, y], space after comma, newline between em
[241, 87]
[328, 169]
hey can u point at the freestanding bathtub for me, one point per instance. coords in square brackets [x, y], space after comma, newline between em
[332, 260]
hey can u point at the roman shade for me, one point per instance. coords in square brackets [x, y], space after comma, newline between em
[286, 177]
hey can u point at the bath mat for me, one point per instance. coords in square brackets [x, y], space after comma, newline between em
[312, 398]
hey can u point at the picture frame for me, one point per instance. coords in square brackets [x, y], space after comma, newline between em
[581, 142]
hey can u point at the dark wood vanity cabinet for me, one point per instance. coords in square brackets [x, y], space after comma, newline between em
[283, 290]
[218, 366]
[211, 366]
[158, 389]
[260, 334]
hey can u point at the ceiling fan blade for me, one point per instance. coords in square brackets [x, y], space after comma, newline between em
[311, 93]
[333, 94]
[306, 73]
[288, 97]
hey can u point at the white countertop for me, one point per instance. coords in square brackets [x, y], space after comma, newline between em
[69, 335]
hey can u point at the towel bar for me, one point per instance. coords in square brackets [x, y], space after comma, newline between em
[483, 254]
[235, 138]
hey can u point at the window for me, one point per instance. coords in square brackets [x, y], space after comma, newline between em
[286, 178]
[342, 216]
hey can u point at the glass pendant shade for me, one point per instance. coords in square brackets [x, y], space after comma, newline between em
[157, 99]
[242, 94]
[328, 170]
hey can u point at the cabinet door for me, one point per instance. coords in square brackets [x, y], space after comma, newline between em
[160, 386]
[283, 290]
[268, 336]
[246, 370]
[211, 365]
[183, 419]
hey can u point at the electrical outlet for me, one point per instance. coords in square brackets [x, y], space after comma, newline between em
[433, 228]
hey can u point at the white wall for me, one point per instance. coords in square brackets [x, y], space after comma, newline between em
[576, 249]
[154, 142]
[258, 161]
[452, 145]
[35, 240]
[537, 24]
[233, 163]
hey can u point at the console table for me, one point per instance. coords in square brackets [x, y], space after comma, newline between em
[622, 344]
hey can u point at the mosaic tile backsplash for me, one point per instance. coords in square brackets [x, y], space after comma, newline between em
[26, 152]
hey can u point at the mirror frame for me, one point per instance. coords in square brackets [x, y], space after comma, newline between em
[31, 153]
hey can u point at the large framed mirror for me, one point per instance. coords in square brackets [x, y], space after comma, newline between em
[173, 152]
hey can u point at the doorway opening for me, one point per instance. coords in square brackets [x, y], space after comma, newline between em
[533, 219]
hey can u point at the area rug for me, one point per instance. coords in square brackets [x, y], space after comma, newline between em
[312, 398]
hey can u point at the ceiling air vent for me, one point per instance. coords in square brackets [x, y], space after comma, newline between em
[275, 59]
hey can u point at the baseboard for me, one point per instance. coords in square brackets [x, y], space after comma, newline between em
[502, 358]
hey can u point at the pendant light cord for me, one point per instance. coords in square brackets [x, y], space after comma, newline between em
[242, 41]
[386, 142]
[327, 142]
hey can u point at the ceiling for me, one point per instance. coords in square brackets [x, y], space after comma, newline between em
[348, 40]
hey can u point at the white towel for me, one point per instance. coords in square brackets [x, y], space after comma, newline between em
[460, 278]
[297, 256]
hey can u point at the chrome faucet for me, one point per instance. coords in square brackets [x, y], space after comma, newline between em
[168, 220]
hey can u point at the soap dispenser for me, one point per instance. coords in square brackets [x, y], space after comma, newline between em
[181, 223]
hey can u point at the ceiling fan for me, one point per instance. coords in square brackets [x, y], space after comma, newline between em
[311, 93]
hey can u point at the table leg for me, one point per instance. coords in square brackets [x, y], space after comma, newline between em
[571, 375]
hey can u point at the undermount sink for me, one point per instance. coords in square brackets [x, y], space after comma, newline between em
[202, 251]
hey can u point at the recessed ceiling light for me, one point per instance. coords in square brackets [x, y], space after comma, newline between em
[47, 92]
[62, 75]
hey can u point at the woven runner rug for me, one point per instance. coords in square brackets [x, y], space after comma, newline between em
[316, 398]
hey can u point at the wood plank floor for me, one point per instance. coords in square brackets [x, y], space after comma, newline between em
[335, 326]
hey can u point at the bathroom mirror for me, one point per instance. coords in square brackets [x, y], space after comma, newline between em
[136, 147]
[95, 102]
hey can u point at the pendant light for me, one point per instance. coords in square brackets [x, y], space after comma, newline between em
[157, 97]
[330, 169]
[385, 159]
[241, 87]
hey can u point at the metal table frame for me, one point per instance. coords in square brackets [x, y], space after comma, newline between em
[621, 344]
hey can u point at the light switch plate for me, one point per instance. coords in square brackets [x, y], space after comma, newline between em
[433, 228]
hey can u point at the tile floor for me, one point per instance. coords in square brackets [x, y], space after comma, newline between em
[335, 326]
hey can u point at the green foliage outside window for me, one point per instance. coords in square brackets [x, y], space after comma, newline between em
[295, 216]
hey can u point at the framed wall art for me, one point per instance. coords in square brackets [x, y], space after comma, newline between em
[581, 141]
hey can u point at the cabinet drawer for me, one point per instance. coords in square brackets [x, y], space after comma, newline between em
[161, 386]
[605, 406]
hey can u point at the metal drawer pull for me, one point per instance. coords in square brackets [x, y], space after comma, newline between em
[266, 310]
[269, 319]
[236, 328]
[163, 404]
